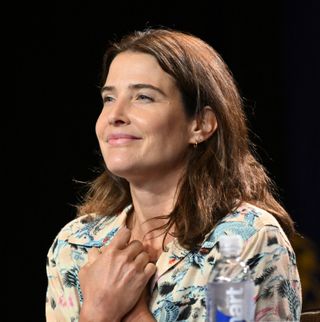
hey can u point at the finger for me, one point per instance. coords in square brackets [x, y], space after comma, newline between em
[121, 239]
[133, 249]
[141, 260]
[149, 270]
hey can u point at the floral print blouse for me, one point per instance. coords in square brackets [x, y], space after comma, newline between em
[179, 286]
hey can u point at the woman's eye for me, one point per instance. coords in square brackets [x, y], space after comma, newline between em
[143, 97]
[107, 99]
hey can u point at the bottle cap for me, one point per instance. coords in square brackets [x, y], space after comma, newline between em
[230, 245]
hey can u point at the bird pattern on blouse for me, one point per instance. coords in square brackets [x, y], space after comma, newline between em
[178, 289]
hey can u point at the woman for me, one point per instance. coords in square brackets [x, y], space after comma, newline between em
[179, 173]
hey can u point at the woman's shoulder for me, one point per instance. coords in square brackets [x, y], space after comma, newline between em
[247, 220]
[252, 215]
[82, 233]
[78, 224]
[90, 230]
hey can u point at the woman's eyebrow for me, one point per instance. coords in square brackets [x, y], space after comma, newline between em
[107, 89]
[134, 86]
[141, 86]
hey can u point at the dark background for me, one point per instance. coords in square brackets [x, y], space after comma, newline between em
[272, 48]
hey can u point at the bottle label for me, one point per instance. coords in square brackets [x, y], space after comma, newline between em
[232, 301]
[221, 317]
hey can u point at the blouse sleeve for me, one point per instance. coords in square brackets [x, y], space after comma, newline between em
[62, 300]
[277, 285]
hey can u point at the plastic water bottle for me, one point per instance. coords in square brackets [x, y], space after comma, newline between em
[230, 290]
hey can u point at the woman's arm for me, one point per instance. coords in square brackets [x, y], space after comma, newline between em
[140, 312]
[273, 264]
[62, 298]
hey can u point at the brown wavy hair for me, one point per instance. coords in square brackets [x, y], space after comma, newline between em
[222, 171]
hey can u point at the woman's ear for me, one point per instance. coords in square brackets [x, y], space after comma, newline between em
[202, 128]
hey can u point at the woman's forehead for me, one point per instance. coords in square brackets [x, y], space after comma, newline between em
[138, 68]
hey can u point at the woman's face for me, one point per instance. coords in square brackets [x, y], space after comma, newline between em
[143, 130]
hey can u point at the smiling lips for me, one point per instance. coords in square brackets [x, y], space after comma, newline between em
[121, 138]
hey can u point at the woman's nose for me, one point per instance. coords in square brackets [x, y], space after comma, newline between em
[118, 113]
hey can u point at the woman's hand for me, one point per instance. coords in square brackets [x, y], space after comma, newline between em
[114, 278]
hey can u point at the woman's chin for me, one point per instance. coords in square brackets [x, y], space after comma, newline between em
[123, 172]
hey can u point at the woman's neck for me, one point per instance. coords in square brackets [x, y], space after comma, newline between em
[149, 203]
